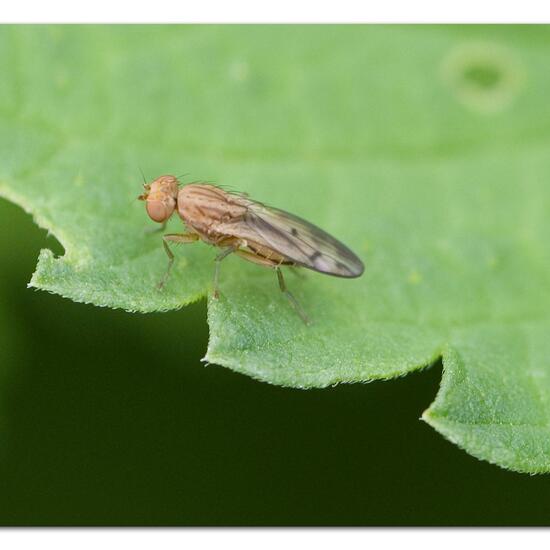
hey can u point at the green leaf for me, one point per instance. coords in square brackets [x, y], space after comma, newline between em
[423, 148]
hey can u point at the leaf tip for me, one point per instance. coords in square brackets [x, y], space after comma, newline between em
[427, 417]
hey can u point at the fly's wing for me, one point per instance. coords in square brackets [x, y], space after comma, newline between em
[301, 242]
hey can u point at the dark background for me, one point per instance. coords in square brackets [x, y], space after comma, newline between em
[109, 418]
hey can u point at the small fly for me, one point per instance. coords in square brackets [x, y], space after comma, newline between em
[239, 225]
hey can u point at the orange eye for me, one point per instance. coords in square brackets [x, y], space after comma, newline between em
[160, 211]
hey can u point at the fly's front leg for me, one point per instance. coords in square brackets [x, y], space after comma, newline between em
[218, 259]
[175, 238]
[290, 297]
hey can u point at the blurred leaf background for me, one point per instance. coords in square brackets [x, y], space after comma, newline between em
[111, 418]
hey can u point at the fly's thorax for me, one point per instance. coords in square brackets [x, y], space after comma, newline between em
[206, 207]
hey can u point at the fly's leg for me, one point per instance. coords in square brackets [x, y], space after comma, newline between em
[175, 238]
[254, 258]
[218, 259]
[291, 299]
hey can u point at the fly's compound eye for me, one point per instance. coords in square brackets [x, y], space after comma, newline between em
[159, 210]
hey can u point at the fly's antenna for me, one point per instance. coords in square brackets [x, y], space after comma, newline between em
[144, 184]
[142, 175]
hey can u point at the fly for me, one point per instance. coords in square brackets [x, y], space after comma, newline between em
[239, 225]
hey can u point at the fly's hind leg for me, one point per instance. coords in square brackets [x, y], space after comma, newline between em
[266, 262]
[177, 238]
[297, 307]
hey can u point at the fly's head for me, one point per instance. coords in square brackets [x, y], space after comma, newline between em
[160, 198]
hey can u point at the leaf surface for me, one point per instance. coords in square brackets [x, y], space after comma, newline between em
[425, 149]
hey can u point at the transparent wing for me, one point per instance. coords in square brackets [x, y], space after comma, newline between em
[301, 242]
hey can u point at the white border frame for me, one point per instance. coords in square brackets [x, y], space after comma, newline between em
[281, 11]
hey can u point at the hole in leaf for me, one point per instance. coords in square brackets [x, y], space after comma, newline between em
[484, 77]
